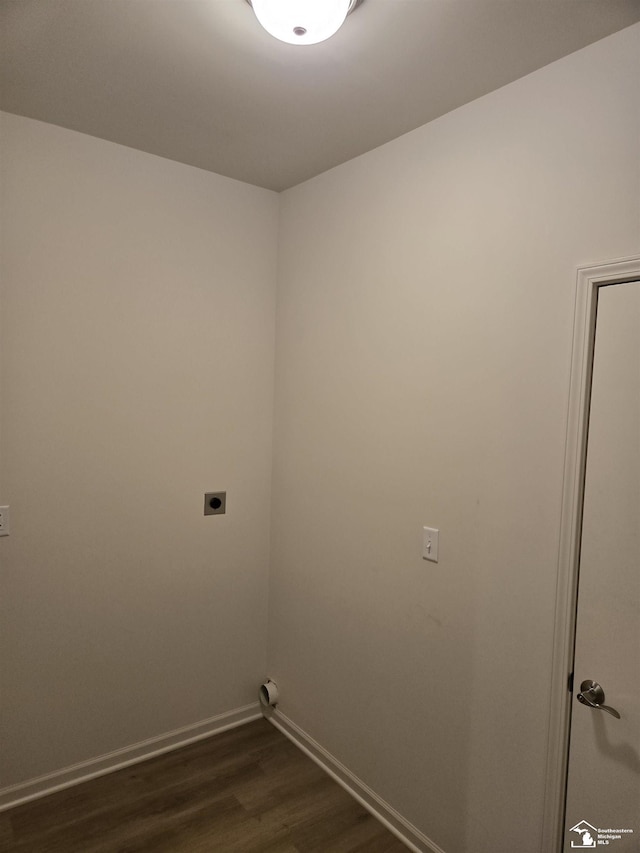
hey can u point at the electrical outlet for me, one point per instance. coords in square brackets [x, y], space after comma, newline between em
[215, 503]
[4, 520]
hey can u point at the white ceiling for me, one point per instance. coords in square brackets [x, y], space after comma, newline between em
[199, 81]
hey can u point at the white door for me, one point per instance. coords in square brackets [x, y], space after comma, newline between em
[603, 793]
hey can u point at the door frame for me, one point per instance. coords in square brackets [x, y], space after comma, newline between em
[589, 280]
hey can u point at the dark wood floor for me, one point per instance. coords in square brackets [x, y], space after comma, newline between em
[248, 790]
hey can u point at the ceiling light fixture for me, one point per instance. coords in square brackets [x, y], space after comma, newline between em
[302, 21]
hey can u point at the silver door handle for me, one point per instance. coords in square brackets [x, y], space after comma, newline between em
[592, 695]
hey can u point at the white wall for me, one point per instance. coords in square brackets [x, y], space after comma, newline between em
[424, 337]
[137, 353]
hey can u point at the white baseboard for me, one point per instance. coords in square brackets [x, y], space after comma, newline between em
[15, 795]
[388, 816]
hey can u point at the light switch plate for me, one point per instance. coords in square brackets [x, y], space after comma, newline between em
[4, 520]
[430, 544]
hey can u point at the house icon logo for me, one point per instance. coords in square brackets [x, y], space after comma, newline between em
[587, 833]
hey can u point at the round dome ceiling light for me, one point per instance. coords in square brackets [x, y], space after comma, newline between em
[302, 21]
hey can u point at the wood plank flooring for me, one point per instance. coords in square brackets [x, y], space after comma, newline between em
[248, 790]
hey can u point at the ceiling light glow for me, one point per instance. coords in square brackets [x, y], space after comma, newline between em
[302, 21]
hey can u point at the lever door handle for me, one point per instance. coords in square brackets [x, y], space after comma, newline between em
[592, 695]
